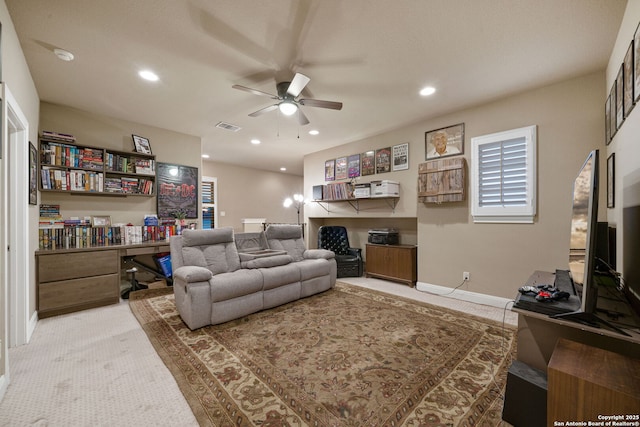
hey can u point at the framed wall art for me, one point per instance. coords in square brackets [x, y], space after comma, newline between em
[444, 142]
[620, 97]
[383, 160]
[628, 97]
[607, 121]
[636, 64]
[353, 165]
[330, 170]
[611, 175]
[341, 168]
[141, 144]
[400, 155]
[33, 174]
[177, 191]
[612, 118]
[368, 163]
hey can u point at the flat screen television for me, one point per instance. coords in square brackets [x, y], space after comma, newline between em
[582, 248]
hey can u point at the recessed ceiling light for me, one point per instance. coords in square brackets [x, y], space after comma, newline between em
[205, 156]
[283, 169]
[65, 55]
[429, 90]
[149, 75]
[314, 132]
[255, 141]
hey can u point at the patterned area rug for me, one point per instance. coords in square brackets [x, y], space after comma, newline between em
[347, 357]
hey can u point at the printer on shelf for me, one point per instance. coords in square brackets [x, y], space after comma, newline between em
[383, 236]
[385, 188]
[362, 191]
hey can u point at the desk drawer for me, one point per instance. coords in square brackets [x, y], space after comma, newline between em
[62, 266]
[78, 292]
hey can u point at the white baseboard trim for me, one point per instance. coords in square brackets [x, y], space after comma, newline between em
[463, 295]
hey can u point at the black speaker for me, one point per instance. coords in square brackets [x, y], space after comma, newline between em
[525, 399]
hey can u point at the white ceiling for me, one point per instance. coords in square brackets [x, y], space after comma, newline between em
[372, 55]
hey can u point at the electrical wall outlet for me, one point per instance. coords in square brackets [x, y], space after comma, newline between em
[466, 276]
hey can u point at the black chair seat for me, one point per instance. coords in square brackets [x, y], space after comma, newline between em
[348, 259]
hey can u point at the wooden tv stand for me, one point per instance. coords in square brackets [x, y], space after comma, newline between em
[538, 333]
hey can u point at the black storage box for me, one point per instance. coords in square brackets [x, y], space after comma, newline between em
[383, 236]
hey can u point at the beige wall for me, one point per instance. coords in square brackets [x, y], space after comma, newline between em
[626, 142]
[499, 257]
[107, 132]
[251, 193]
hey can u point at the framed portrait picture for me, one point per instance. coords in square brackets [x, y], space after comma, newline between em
[368, 163]
[101, 221]
[628, 97]
[611, 175]
[383, 160]
[141, 144]
[33, 175]
[444, 142]
[400, 155]
[620, 97]
[353, 165]
[341, 168]
[636, 64]
[330, 170]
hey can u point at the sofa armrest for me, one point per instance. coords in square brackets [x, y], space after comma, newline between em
[318, 254]
[192, 273]
[266, 262]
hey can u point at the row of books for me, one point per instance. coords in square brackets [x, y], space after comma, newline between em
[128, 185]
[118, 163]
[57, 154]
[74, 180]
[337, 191]
[85, 236]
[57, 136]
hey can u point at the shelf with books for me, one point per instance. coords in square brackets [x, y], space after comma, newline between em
[81, 169]
[355, 202]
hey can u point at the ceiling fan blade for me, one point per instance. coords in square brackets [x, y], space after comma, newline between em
[264, 110]
[297, 84]
[302, 119]
[322, 104]
[254, 91]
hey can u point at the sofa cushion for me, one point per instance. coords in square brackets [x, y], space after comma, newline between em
[288, 238]
[212, 249]
[226, 286]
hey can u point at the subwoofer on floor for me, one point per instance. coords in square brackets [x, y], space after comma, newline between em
[525, 400]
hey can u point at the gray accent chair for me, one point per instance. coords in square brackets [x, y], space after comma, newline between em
[214, 283]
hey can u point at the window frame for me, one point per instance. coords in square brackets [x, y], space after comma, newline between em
[506, 214]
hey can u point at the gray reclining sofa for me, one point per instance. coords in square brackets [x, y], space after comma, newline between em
[217, 278]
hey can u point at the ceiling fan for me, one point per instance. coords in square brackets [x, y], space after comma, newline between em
[287, 102]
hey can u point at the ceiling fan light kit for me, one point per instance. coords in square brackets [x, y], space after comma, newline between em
[288, 104]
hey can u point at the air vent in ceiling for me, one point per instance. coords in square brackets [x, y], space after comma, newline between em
[228, 126]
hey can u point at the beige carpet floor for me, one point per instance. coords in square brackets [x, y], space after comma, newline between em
[97, 368]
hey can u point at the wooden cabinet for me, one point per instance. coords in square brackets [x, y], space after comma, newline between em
[392, 262]
[586, 383]
[83, 169]
[69, 281]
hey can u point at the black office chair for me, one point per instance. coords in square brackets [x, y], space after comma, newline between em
[349, 260]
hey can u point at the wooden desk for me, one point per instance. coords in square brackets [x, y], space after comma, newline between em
[76, 279]
[539, 333]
